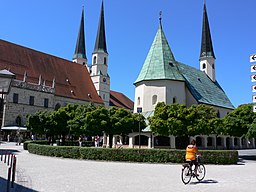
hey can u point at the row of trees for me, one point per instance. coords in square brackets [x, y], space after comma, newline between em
[87, 120]
[176, 119]
[179, 120]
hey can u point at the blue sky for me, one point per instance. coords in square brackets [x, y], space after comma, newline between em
[51, 26]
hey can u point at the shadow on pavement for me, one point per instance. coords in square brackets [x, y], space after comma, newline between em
[207, 181]
[4, 151]
[16, 187]
[248, 157]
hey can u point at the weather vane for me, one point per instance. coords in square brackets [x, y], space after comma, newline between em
[160, 15]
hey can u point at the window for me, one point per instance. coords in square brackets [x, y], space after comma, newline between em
[138, 101]
[15, 97]
[218, 114]
[174, 100]
[46, 102]
[103, 96]
[154, 99]
[204, 65]
[31, 100]
[213, 66]
[57, 106]
[94, 60]
[105, 61]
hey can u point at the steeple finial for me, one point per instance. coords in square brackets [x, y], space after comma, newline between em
[100, 44]
[206, 43]
[80, 51]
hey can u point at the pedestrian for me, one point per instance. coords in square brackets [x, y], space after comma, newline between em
[97, 141]
[80, 140]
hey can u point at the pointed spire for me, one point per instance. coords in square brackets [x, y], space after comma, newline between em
[100, 44]
[206, 43]
[160, 62]
[80, 51]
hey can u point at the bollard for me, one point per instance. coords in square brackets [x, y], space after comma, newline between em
[8, 161]
[9, 179]
[13, 170]
[11, 164]
[5, 158]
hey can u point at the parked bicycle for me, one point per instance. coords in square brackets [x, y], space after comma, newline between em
[189, 171]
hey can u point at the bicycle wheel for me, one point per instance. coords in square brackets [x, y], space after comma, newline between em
[201, 171]
[186, 175]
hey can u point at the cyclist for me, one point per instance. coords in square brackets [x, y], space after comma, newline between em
[191, 152]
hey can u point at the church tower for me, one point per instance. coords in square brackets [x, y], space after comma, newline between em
[80, 52]
[207, 57]
[99, 68]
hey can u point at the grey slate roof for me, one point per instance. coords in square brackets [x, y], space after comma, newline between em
[160, 62]
[80, 51]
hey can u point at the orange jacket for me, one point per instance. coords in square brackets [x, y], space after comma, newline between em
[191, 151]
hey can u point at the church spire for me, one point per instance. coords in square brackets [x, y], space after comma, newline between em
[100, 44]
[80, 51]
[207, 57]
[206, 43]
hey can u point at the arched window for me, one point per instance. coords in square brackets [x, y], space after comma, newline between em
[105, 61]
[204, 65]
[138, 101]
[154, 99]
[57, 106]
[218, 114]
[174, 100]
[94, 59]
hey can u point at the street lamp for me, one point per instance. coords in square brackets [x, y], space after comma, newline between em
[5, 84]
[139, 110]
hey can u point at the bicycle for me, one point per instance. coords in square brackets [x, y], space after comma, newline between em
[188, 172]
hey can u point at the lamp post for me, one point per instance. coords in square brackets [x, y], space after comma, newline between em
[139, 110]
[5, 83]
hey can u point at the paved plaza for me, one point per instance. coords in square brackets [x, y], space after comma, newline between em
[49, 174]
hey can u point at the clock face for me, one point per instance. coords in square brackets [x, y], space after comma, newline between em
[104, 80]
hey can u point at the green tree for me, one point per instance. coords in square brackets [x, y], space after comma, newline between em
[239, 121]
[178, 120]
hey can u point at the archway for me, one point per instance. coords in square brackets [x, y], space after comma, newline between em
[162, 141]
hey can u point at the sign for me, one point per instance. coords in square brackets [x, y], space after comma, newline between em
[253, 58]
[253, 68]
[139, 109]
[253, 78]
[254, 108]
[254, 98]
[254, 88]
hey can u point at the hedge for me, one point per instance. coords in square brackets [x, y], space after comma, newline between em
[132, 155]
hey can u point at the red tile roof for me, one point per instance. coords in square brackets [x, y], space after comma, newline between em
[69, 76]
[120, 100]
